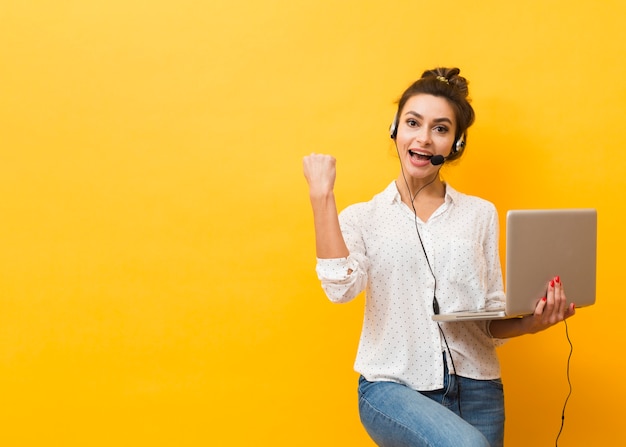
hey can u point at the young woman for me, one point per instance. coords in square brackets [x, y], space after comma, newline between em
[416, 248]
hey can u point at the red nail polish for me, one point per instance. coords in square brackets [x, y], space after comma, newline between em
[552, 283]
[543, 299]
[558, 279]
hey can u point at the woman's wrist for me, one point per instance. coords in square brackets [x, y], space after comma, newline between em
[512, 327]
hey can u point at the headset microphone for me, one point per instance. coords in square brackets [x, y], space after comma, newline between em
[437, 160]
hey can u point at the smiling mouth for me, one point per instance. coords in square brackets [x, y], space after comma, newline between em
[420, 155]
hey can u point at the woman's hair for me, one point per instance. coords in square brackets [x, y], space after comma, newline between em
[445, 83]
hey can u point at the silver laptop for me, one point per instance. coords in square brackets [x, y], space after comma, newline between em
[541, 244]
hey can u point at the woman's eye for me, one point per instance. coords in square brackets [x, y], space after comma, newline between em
[441, 129]
[411, 123]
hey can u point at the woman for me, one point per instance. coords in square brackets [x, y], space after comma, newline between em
[417, 247]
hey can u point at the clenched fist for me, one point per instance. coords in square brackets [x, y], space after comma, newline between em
[320, 174]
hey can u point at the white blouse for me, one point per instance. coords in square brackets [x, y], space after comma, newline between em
[399, 340]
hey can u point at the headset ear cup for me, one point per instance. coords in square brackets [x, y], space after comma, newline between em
[460, 144]
[393, 129]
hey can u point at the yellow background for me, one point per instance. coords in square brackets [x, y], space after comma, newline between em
[157, 282]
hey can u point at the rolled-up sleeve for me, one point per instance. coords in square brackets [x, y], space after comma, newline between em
[342, 278]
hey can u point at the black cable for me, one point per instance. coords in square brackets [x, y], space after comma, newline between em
[435, 302]
[458, 383]
[419, 236]
[408, 188]
[569, 383]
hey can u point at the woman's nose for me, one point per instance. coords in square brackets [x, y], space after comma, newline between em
[422, 136]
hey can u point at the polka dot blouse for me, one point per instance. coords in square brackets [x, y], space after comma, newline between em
[399, 341]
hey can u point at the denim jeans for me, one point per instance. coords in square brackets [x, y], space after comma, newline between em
[395, 415]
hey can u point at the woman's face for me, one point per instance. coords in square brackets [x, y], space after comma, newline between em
[426, 127]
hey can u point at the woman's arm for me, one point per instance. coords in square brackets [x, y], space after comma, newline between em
[550, 310]
[320, 173]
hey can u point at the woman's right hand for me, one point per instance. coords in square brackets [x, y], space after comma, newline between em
[320, 174]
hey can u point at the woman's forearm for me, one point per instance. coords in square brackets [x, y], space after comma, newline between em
[509, 328]
[329, 242]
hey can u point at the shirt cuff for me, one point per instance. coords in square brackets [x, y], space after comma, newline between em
[335, 269]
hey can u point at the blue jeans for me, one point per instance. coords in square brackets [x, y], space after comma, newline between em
[395, 415]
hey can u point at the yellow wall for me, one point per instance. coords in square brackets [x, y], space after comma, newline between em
[157, 282]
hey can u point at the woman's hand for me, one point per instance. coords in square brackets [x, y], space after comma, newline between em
[320, 173]
[550, 310]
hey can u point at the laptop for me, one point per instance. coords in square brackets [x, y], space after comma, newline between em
[541, 244]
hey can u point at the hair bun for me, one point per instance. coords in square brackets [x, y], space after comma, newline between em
[451, 77]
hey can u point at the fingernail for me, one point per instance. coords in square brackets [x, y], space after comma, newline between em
[558, 279]
[552, 283]
[543, 299]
